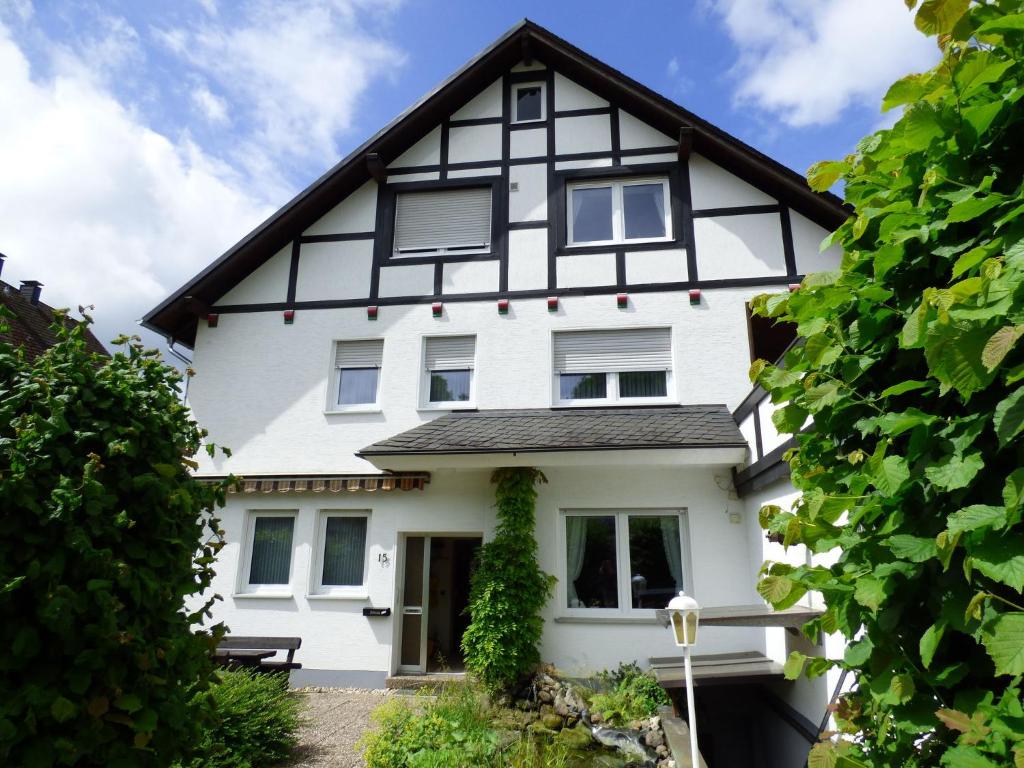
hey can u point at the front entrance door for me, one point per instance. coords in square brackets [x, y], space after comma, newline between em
[434, 593]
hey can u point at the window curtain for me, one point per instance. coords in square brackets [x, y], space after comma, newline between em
[642, 384]
[344, 551]
[673, 555]
[575, 549]
[271, 550]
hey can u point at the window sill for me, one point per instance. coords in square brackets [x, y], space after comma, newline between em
[573, 619]
[355, 409]
[354, 596]
[631, 402]
[263, 595]
[630, 246]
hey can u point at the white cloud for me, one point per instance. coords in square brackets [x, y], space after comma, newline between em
[293, 72]
[100, 208]
[806, 61]
[212, 106]
[673, 67]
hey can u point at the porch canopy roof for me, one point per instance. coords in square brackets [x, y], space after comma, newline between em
[681, 434]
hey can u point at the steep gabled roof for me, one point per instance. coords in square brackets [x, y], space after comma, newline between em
[175, 319]
[30, 324]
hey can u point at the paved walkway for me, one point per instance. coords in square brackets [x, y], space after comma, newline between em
[335, 720]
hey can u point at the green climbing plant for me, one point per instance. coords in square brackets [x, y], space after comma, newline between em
[911, 374]
[103, 534]
[508, 589]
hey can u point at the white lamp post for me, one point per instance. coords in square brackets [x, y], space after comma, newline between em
[684, 613]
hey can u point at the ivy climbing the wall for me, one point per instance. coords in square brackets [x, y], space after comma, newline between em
[912, 371]
[508, 588]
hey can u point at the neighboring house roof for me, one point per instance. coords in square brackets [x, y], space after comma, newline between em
[30, 326]
[176, 317]
[537, 430]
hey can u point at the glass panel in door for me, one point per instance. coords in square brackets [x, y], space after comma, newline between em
[412, 649]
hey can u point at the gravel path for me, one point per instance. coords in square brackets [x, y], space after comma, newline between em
[335, 720]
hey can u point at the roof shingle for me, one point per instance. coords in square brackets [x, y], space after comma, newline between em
[545, 429]
[30, 326]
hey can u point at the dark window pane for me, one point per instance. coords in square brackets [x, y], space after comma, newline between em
[655, 557]
[642, 384]
[357, 386]
[583, 386]
[591, 569]
[449, 386]
[643, 207]
[591, 214]
[344, 551]
[528, 105]
[271, 550]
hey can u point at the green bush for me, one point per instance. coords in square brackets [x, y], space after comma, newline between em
[102, 531]
[634, 694]
[508, 588]
[256, 720]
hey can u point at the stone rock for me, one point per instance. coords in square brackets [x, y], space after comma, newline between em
[606, 761]
[655, 723]
[552, 722]
[538, 729]
[545, 696]
[654, 739]
[595, 717]
[636, 725]
[561, 708]
[545, 680]
[574, 738]
[662, 750]
[546, 709]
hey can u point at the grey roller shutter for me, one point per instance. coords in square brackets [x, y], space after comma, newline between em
[633, 349]
[443, 219]
[359, 354]
[450, 353]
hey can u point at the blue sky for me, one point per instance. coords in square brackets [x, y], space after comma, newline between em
[141, 139]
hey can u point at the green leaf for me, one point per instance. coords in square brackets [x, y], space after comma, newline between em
[1000, 344]
[129, 703]
[955, 471]
[937, 17]
[794, 665]
[1004, 641]
[822, 755]
[774, 589]
[62, 709]
[898, 422]
[904, 91]
[929, 642]
[892, 473]
[972, 208]
[902, 688]
[977, 516]
[870, 592]
[969, 260]
[1013, 490]
[821, 396]
[858, 653]
[790, 418]
[980, 117]
[1010, 23]
[966, 757]
[913, 548]
[954, 357]
[903, 387]
[822, 176]
[1001, 559]
[1008, 418]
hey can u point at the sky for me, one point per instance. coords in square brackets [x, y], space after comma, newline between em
[140, 139]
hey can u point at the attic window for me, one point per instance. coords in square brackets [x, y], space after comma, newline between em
[528, 103]
[443, 221]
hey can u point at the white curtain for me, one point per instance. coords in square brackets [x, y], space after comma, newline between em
[575, 549]
[673, 555]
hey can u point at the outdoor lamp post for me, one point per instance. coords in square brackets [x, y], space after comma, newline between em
[684, 613]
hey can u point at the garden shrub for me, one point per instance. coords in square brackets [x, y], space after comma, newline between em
[632, 694]
[508, 589]
[255, 721]
[102, 531]
[912, 371]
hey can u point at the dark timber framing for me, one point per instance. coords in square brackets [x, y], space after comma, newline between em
[173, 319]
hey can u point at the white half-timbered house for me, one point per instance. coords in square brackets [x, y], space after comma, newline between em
[542, 263]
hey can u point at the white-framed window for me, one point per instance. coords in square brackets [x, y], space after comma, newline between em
[629, 366]
[438, 222]
[356, 381]
[621, 562]
[267, 558]
[340, 559]
[528, 104]
[448, 363]
[609, 212]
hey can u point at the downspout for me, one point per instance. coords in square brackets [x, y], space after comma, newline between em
[183, 359]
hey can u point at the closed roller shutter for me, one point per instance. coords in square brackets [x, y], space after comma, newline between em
[359, 354]
[447, 219]
[633, 349]
[450, 353]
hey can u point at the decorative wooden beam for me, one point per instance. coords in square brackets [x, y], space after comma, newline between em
[527, 49]
[685, 142]
[376, 167]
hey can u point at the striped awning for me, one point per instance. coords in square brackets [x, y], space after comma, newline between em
[404, 481]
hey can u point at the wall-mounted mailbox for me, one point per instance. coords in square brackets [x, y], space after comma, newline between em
[376, 611]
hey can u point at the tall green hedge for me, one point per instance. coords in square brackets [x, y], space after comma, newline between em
[101, 527]
[508, 588]
[912, 371]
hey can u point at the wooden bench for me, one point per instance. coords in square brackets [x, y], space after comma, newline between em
[235, 650]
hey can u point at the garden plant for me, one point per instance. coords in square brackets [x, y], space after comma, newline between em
[905, 395]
